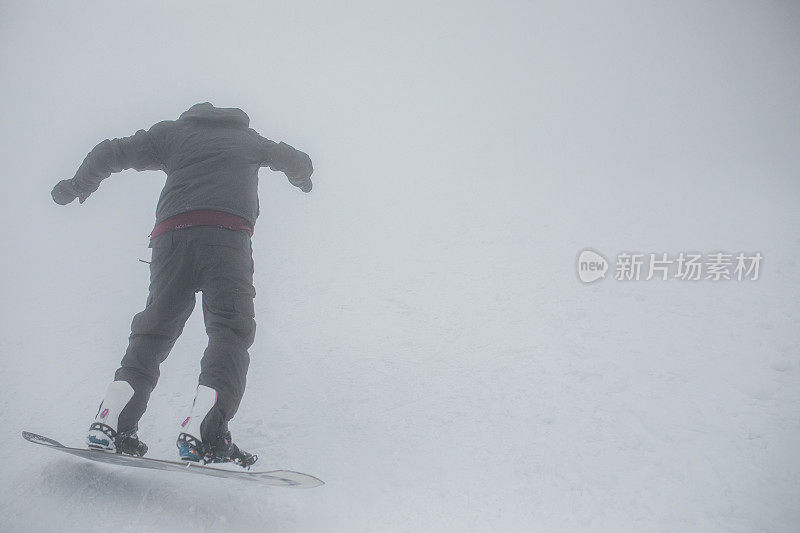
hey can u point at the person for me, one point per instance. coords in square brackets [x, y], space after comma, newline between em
[201, 242]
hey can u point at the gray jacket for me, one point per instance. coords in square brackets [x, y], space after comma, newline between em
[211, 157]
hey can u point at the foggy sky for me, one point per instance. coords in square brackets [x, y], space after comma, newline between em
[520, 101]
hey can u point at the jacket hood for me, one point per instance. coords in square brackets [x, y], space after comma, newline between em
[221, 115]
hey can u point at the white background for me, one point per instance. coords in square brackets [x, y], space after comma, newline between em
[424, 344]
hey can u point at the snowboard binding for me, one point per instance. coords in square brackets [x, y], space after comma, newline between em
[102, 437]
[223, 451]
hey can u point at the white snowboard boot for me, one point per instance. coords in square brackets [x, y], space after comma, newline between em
[103, 433]
[217, 447]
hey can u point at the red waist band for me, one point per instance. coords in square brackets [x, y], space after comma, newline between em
[202, 218]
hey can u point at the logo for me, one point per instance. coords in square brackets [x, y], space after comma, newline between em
[104, 413]
[591, 266]
[683, 266]
[183, 425]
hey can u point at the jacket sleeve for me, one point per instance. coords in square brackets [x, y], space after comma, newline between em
[114, 155]
[292, 162]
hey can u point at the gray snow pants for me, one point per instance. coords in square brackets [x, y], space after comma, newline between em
[219, 263]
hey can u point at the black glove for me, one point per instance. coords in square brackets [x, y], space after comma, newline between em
[304, 184]
[300, 175]
[66, 191]
[295, 164]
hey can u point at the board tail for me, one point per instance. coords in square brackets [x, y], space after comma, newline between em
[38, 439]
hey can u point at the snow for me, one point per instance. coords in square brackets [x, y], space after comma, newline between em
[425, 346]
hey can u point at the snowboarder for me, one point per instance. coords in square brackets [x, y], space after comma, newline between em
[200, 243]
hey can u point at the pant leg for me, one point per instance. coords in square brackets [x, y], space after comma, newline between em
[226, 279]
[154, 331]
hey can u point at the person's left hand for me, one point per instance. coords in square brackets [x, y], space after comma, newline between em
[65, 192]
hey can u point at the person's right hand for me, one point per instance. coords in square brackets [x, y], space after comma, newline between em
[300, 173]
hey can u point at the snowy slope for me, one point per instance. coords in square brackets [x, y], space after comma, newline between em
[424, 344]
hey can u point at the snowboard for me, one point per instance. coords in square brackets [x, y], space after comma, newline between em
[276, 478]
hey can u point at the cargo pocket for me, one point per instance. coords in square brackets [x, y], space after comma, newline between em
[162, 241]
[243, 303]
[165, 256]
